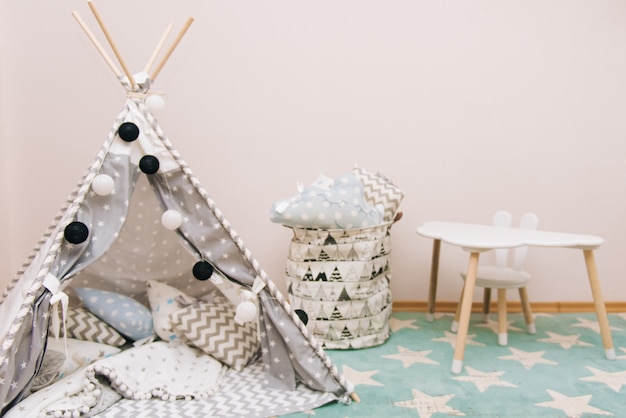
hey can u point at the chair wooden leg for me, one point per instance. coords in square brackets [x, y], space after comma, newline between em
[486, 304]
[528, 314]
[502, 320]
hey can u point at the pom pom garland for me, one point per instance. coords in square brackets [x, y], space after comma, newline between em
[76, 232]
[303, 316]
[171, 219]
[128, 131]
[102, 185]
[149, 164]
[154, 103]
[246, 311]
[202, 270]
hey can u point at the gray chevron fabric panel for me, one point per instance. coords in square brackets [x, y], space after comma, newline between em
[211, 327]
[83, 325]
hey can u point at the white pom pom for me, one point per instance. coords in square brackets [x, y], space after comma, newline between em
[171, 219]
[103, 185]
[154, 103]
[245, 295]
[246, 311]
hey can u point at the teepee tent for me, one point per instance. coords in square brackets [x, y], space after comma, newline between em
[139, 214]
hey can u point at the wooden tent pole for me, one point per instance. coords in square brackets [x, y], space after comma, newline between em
[171, 49]
[96, 14]
[158, 48]
[95, 42]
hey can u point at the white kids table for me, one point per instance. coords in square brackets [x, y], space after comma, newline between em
[479, 238]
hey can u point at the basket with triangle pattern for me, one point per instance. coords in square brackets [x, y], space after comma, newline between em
[340, 278]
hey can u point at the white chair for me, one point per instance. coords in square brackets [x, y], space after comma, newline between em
[503, 276]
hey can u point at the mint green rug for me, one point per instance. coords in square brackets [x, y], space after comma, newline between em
[559, 372]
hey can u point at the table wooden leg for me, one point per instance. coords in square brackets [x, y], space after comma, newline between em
[598, 300]
[434, 273]
[466, 310]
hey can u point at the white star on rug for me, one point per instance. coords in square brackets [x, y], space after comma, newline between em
[574, 407]
[565, 341]
[526, 358]
[592, 325]
[483, 380]
[621, 315]
[360, 377]
[624, 356]
[398, 324]
[450, 337]
[613, 380]
[409, 357]
[427, 405]
[493, 325]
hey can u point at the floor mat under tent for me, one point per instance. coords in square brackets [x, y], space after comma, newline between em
[242, 394]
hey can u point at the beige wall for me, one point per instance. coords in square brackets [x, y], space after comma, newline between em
[469, 106]
[5, 246]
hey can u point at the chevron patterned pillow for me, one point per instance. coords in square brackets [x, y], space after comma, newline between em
[211, 327]
[379, 190]
[83, 325]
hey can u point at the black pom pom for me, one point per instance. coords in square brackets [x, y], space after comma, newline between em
[76, 232]
[149, 164]
[128, 131]
[202, 270]
[303, 316]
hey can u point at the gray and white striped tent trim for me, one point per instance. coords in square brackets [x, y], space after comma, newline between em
[294, 355]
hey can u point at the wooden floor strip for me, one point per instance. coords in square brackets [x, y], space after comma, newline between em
[513, 306]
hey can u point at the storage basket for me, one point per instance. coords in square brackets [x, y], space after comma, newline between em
[340, 278]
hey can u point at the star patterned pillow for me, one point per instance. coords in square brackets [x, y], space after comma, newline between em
[129, 317]
[340, 204]
[163, 302]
